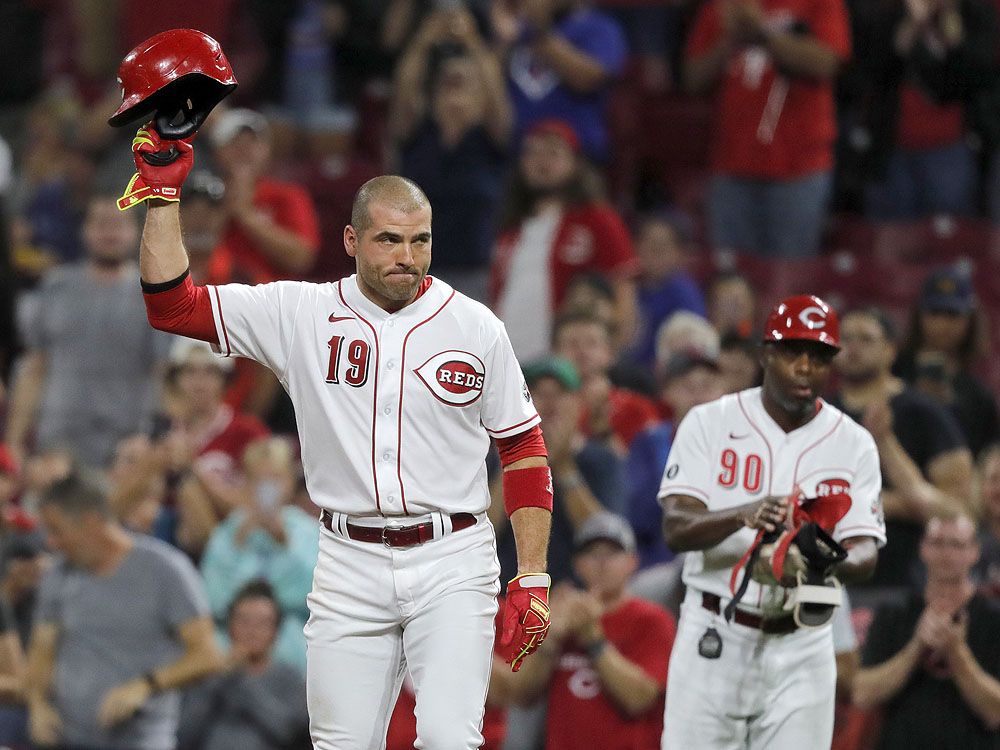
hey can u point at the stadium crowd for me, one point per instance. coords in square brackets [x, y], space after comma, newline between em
[630, 185]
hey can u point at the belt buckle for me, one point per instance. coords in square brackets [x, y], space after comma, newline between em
[386, 529]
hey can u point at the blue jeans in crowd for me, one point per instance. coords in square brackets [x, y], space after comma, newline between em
[925, 183]
[770, 218]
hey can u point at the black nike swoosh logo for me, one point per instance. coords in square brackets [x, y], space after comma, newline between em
[734, 436]
[334, 317]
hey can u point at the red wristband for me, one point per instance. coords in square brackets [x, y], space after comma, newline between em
[527, 488]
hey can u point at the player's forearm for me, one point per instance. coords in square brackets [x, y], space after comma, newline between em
[874, 686]
[862, 556]
[162, 256]
[691, 526]
[979, 690]
[532, 527]
[628, 687]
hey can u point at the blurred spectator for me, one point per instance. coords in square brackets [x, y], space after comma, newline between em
[89, 375]
[944, 343]
[202, 447]
[555, 225]
[685, 332]
[664, 284]
[922, 65]
[932, 663]
[654, 33]
[451, 123]
[988, 567]
[738, 362]
[255, 703]
[586, 474]
[689, 378]
[203, 220]
[268, 538]
[773, 63]
[591, 292]
[112, 594]
[272, 232]
[732, 303]
[605, 659]
[308, 85]
[136, 494]
[331, 170]
[925, 463]
[53, 182]
[563, 59]
[40, 471]
[615, 415]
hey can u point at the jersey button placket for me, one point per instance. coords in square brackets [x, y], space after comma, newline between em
[387, 412]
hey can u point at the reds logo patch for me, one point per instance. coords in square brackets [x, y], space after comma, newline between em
[454, 377]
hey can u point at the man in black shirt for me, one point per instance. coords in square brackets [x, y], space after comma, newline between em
[932, 662]
[926, 465]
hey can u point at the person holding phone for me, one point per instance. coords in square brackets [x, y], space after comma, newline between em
[269, 538]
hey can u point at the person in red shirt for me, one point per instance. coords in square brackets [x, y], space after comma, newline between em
[198, 450]
[924, 82]
[554, 225]
[609, 412]
[605, 660]
[773, 63]
[272, 232]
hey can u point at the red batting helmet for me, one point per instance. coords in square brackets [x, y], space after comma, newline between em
[177, 77]
[803, 317]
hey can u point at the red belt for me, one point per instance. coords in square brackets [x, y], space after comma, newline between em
[775, 626]
[398, 536]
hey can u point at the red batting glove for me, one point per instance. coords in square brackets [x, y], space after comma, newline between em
[525, 620]
[163, 182]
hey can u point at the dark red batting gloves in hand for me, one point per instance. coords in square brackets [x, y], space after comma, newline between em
[150, 181]
[525, 620]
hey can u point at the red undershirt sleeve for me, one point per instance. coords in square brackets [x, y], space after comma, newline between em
[180, 307]
[523, 445]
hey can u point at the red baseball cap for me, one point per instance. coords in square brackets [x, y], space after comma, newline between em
[559, 128]
[804, 317]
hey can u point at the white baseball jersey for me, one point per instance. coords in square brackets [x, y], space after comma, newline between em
[394, 410]
[730, 451]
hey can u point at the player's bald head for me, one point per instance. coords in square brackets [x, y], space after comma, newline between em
[388, 190]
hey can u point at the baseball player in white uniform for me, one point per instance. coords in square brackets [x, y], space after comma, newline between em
[398, 382]
[760, 680]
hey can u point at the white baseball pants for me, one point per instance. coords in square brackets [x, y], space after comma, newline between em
[376, 611]
[764, 692]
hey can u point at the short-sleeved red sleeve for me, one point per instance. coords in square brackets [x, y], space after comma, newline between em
[770, 125]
